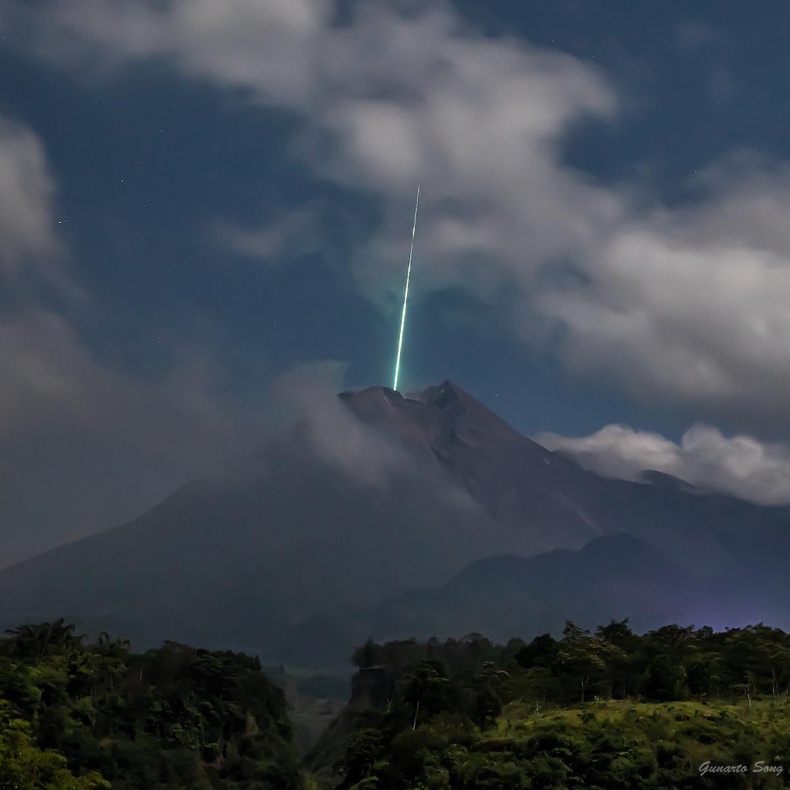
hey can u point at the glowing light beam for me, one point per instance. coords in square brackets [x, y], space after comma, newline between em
[406, 293]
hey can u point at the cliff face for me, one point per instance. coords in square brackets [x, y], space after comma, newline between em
[371, 687]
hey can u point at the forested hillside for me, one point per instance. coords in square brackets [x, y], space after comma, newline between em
[99, 716]
[676, 707]
[673, 708]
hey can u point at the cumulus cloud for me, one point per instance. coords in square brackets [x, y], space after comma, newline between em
[478, 122]
[738, 465]
[27, 232]
[691, 305]
[84, 444]
[683, 305]
[399, 93]
[262, 48]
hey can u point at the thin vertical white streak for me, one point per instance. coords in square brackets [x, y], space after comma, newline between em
[406, 292]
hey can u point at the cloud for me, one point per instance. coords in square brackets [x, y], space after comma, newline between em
[691, 305]
[396, 94]
[478, 122]
[27, 229]
[739, 465]
[289, 235]
[306, 398]
[682, 305]
[85, 444]
[308, 395]
[261, 48]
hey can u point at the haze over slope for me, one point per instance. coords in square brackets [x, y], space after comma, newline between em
[372, 495]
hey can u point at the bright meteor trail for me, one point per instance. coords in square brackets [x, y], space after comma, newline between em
[406, 293]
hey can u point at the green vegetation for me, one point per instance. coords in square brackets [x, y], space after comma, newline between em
[98, 716]
[606, 710]
[610, 710]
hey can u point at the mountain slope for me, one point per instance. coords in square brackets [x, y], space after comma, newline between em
[372, 495]
[616, 577]
[234, 559]
[531, 493]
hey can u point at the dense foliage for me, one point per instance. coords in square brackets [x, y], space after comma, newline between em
[88, 716]
[611, 709]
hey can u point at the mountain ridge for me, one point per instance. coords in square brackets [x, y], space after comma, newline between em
[372, 495]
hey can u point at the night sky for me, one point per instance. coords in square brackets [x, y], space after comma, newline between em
[199, 197]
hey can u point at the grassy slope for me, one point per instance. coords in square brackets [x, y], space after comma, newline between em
[656, 745]
[681, 734]
[655, 720]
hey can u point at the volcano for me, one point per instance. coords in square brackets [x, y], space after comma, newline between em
[390, 515]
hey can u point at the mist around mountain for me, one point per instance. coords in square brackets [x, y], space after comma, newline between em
[389, 516]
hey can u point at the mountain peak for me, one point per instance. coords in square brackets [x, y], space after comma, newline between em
[439, 395]
[447, 394]
[439, 414]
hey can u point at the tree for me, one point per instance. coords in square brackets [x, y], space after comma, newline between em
[540, 652]
[369, 655]
[429, 690]
[23, 766]
[36, 641]
[487, 690]
[622, 669]
[668, 650]
[363, 748]
[583, 658]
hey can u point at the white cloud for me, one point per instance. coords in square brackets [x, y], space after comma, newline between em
[262, 47]
[684, 305]
[308, 394]
[403, 93]
[26, 196]
[692, 305]
[739, 465]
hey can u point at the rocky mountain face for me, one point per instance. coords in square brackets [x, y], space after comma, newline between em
[531, 494]
[385, 515]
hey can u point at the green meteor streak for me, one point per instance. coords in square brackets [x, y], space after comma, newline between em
[406, 293]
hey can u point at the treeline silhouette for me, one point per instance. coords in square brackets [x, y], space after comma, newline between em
[75, 716]
[670, 663]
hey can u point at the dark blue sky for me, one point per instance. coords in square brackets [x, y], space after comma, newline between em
[604, 194]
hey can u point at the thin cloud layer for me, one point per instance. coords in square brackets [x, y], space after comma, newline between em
[739, 465]
[74, 431]
[84, 446]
